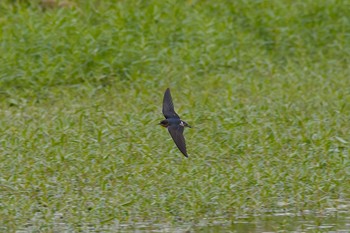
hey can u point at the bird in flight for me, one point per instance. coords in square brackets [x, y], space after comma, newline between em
[173, 123]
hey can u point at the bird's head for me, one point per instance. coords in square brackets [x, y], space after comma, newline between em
[164, 123]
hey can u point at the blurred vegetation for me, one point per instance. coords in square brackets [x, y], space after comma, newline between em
[264, 83]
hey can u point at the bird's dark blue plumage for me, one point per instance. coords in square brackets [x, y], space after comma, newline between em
[173, 123]
[168, 106]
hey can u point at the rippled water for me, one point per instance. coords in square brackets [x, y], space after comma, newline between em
[336, 222]
[331, 220]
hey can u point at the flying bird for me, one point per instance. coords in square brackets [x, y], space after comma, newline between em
[173, 123]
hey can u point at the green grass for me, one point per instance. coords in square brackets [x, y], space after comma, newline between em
[264, 83]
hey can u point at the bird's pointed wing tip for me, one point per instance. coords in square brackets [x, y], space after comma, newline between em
[179, 139]
[168, 106]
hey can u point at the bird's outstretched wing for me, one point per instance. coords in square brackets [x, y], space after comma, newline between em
[176, 133]
[168, 106]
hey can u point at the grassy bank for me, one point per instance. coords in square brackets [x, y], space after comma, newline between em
[265, 85]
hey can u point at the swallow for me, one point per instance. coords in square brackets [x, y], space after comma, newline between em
[173, 123]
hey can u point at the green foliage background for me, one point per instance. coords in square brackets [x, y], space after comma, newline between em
[264, 83]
